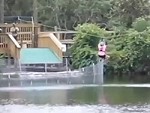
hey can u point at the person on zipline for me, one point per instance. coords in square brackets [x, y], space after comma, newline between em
[102, 50]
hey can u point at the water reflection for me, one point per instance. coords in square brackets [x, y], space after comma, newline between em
[56, 109]
[74, 109]
[77, 100]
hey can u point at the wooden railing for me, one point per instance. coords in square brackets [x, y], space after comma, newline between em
[4, 43]
[67, 41]
[22, 27]
[25, 33]
[14, 47]
[25, 37]
[9, 46]
[48, 40]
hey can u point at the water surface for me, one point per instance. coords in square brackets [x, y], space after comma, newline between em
[75, 99]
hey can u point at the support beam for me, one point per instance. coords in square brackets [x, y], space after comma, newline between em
[45, 68]
[57, 34]
[67, 65]
[101, 71]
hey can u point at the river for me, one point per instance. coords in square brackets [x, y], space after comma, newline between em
[75, 99]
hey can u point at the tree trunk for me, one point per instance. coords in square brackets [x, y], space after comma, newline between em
[1, 11]
[35, 11]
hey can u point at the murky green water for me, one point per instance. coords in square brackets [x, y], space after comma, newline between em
[71, 99]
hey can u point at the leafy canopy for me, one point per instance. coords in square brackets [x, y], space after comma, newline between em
[84, 50]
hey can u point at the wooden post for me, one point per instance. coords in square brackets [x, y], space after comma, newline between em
[94, 74]
[100, 71]
[20, 66]
[45, 67]
[57, 33]
[33, 33]
[67, 64]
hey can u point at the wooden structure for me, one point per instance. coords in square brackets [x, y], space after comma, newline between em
[30, 36]
[9, 46]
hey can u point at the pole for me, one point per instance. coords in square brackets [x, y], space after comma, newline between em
[94, 73]
[33, 32]
[101, 71]
[57, 33]
[45, 67]
[20, 66]
[1, 11]
[35, 11]
[66, 64]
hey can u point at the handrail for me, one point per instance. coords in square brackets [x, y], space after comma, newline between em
[53, 37]
[67, 41]
[9, 46]
[14, 41]
[22, 33]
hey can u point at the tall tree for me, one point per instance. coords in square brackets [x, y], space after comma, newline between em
[84, 50]
[35, 11]
[18, 7]
[129, 10]
[1, 11]
[69, 13]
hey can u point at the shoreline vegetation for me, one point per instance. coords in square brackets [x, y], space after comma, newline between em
[127, 20]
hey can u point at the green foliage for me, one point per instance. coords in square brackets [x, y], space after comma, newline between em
[131, 52]
[18, 7]
[65, 14]
[128, 47]
[84, 50]
[128, 10]
[69, 13]
[140, 24]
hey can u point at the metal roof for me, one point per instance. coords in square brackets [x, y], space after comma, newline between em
[38, 56]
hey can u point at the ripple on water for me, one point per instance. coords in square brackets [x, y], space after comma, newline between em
[74, 109]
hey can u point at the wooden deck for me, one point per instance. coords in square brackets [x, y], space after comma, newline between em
[30, 36]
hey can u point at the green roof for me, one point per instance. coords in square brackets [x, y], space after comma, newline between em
[38, 56]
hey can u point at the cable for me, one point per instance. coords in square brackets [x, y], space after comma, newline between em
[46, 25]
[71, 30]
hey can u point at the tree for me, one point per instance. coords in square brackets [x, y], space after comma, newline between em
[130, 52]
[1, 11]
[84, 50]
[128, 10]
[69, 13]
[141, 24]
[63, 14]
[19, 7]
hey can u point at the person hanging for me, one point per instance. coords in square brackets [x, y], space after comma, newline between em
[102, 50]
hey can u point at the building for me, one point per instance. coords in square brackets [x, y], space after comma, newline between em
[34, 45]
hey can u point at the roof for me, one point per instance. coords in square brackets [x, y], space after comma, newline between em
[38, 56]
[11, 19]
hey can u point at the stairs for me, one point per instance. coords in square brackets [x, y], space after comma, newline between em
[9, 46]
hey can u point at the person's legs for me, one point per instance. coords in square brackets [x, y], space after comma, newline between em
[104, 56]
